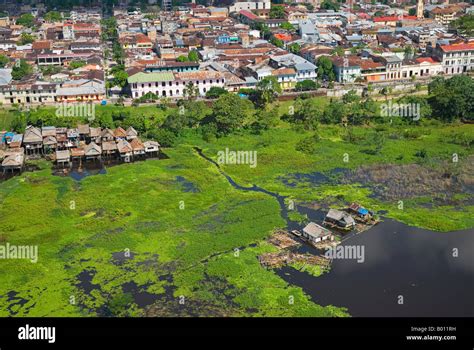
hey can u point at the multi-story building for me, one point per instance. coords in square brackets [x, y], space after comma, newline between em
[27, 93]
[250, 5]
[304, 70]
[456, 58]
[347, 69]
[169, 84]
[444, 15]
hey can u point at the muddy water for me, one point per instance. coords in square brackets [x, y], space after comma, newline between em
[406, 271]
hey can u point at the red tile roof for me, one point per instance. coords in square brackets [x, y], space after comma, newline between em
[458, 47]
[426, 59]
[248, 14]
[393, 18]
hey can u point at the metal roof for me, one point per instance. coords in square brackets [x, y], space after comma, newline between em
[150, 77]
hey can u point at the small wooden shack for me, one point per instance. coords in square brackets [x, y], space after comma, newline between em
[16, 141]
[95, 135]
[138, 147]
[13, 162]
[315, 233]
[33, 140]
[107, 135]
[340, 219]
[49, 144]
[63, 157]
[109, 148]
[125, 150]
[84, 132]
[92, 151]
[120, 134]
[152, 148]
[131, 133]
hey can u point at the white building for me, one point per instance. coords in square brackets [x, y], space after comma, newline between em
[250, 5]
[168, 84]
[456, 58]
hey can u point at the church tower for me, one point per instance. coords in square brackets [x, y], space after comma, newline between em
[420, 9]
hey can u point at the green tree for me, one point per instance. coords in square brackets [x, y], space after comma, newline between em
[453, 98]
[334, 113]
[26, 20]
[325, 69]
[267, 90]
[26, 38]
[216, 92]
[21, 69]
[76, 64]
[265, 119]
[294, 48]
[182, 58]
[190, 91]
[329, 5]
[4, 60]
[287, 26]
[339, 51]
[277, 42]
[193, 56]
[465, 25]
[53, 16]
[351, 97]
[120, 78]
[277, 12]
[306, 85]
[307, 113]
[230, 112]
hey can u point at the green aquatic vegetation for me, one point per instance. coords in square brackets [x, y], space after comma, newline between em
[175, 240]
[313, 270]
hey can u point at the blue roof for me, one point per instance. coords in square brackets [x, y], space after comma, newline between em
[363, 211]
[8, 135]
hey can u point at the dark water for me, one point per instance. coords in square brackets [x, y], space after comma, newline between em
[415, 263]
[399, 261]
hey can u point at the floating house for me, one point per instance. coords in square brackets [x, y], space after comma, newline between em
[49, 144]
[109, 148]
[92, 151]
[340, 219]
[315, 233]
[63, 157]
[73, 144]
[120, 134]
[95, 135]
[16, 141]
[77, 154]
[107, 135]
[84, 132]
[33, 140]
[138, 147]
[152, 147]
[125, 150]
[360, 212]
[13, 162]
[131, 133]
